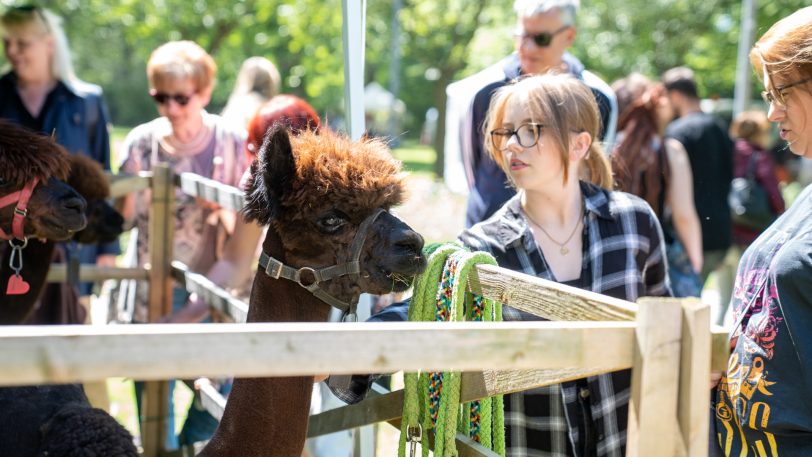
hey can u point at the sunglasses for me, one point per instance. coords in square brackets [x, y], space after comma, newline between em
[778, 94]
[542, 39]
[528, 135]
[163, 98]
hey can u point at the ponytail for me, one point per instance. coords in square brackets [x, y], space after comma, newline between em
[597, 168]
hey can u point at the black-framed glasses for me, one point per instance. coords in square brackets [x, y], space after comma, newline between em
[778, 94]
[542, 39]
[528, 135]
[162, 98]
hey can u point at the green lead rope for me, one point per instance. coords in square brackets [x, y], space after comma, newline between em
[431, 400]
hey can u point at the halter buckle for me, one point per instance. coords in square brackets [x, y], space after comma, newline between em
[313, 273]
[274, 268]
[21, 212]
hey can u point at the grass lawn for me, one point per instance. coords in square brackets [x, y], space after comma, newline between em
[122, 403]
[416, 158]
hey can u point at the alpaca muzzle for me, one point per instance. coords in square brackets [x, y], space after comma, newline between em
[309, 278]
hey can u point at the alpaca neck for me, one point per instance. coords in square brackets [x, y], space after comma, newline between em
[268, 416]
[36, 263]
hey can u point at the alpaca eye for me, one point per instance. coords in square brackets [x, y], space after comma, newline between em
[331, 223]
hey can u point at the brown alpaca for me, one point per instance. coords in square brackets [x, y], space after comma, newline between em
[54, 211]
[104, 225]
[315, 191]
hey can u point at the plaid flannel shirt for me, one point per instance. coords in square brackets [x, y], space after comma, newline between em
[624, 257]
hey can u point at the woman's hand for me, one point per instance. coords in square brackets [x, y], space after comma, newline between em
[715, 377]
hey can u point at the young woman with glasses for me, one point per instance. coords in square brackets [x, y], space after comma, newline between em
[181, 79]
[762, 401]
[565, 225]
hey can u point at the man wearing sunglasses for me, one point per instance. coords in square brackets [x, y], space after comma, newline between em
[545, 30]
[710, 151]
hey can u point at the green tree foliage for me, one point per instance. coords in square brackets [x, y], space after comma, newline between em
[440, 40]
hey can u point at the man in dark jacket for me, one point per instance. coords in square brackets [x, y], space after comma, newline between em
[545, 29]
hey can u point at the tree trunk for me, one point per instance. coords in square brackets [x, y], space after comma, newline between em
[440, 99]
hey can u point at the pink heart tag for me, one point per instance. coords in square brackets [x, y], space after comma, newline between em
[17, 286]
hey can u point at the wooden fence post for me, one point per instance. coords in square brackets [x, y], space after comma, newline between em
[653, 424]
[695, 367]
[155, 406]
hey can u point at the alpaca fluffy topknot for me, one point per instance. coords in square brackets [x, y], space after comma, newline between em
[24, 153]
[332, 166]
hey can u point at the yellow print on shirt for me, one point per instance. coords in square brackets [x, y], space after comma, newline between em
[736, 391]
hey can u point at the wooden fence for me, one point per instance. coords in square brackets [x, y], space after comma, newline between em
[667, 343]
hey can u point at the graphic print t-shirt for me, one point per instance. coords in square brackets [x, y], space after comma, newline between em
[764, 401]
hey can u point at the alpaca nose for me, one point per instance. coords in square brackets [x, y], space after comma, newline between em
[408, 239]
[74, 203]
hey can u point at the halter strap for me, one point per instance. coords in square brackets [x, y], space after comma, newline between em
[276, 269]
[21, 198]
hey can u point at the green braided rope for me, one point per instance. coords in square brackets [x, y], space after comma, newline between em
[415, 405]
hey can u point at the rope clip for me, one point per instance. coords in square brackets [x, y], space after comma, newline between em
[413, 436]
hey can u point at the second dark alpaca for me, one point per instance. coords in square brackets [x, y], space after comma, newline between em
[104, 224]
[315, 191]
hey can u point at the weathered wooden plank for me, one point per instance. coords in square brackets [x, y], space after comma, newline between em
[695, 365]
[720, 348]
[213, 401]
[474, 385]
[653, 423]
[373, 409]
[217, 297]
[161, 231]
[121, 185]
[31, 354]
[488, 383]
[547, 299]
[211, 190]
[90, 272]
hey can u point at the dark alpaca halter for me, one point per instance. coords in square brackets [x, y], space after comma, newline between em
[21, 198]
[276, 269]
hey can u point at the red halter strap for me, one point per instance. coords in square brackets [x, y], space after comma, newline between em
[21, 198]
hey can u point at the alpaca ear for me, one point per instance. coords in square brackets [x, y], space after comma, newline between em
[271, 177]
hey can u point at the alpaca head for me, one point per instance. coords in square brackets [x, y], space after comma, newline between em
[55, 210]
[316, 190]
[104, 223]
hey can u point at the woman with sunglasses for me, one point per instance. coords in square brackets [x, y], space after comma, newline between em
[181, 79]
[565, 225]
[762, 402]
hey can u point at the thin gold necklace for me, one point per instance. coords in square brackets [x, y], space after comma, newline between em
[562, 246]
